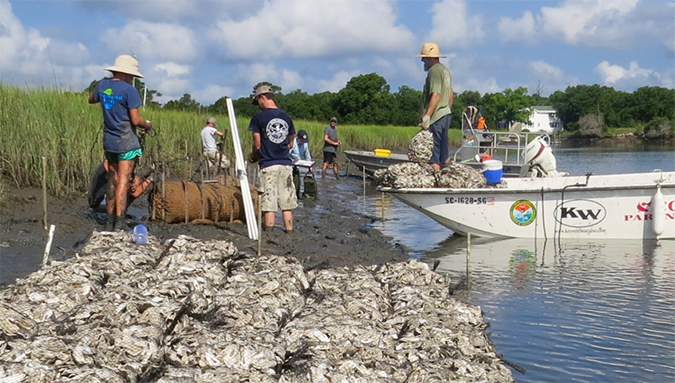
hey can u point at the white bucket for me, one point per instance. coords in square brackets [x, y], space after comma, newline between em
[493, 171]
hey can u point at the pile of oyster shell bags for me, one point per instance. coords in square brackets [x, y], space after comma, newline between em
[198, 311]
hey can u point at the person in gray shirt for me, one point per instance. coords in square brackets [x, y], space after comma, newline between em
[330, 146]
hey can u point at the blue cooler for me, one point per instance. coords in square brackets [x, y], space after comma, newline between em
[493, 171]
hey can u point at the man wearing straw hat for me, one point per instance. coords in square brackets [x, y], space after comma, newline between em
[273, 133]
[119, 103]
[438, 97]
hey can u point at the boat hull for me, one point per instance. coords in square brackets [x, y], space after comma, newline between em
[368, 161]
[604, 206]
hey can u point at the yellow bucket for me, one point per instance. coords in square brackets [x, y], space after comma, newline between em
[382, 152]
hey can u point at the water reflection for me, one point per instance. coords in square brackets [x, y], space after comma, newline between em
[575, 310]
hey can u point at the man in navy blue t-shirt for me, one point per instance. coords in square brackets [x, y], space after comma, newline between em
[119, 103]
[273, 133]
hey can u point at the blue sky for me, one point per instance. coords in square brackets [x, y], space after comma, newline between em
[212, 49]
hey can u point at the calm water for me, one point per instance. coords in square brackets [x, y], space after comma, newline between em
[575, 311]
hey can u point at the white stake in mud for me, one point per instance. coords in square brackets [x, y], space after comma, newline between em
[468, 260]
[241, 173]
[45, 256]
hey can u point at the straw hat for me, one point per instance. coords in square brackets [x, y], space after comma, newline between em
[125, 64]
[430, 50]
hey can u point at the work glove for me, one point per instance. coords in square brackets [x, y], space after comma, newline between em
[426, 121]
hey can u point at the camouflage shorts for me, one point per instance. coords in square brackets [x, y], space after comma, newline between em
[278, 188]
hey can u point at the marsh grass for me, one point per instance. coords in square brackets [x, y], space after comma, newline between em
[65, 129]
[3, 191]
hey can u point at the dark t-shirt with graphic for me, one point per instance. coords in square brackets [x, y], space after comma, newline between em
[117, 98]
[274, 126]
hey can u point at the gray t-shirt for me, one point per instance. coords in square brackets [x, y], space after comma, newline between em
[208, 138]
[332, 134]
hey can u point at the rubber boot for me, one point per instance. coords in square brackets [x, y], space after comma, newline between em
[110, 221]
[120, 223]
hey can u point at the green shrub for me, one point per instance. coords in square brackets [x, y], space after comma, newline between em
[659, 128]
[591, 125]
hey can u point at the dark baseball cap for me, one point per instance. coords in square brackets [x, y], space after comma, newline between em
[302, 137]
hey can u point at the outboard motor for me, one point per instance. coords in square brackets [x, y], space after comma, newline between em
[539, 156]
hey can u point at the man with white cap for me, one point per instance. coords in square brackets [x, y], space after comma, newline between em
[438, 97]
[119, 103]
[211, 152]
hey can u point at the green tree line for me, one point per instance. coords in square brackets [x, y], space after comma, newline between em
[368, 100]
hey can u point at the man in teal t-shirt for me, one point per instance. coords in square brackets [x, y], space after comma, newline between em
[438, 97]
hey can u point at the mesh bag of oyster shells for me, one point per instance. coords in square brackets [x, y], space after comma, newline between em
[421, 146]
[456, 175]
[220, 202]
[406, 175]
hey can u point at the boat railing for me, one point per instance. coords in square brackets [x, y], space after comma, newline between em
[508, 146]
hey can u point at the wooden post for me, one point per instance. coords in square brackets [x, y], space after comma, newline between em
[185, 186]
[163, 192]
[44, 191]
[468, 258]
[201, 190]
[259, 225]
[153, 193]
[364, 181]
[220, 206]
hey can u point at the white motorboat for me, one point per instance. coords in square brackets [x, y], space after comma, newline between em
[548, 204]
[477, 145]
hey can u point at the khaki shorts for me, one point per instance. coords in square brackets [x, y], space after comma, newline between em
[213, 155]
[278, 188]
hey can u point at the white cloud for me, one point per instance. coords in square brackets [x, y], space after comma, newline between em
[212, 93]
[482, 86]
[615, 24]
[670, 45]
[176, 10]
[628, 78]
[453, 27]
[520, 30]
[337, 82]
[172, 69]
[546, 70]
[549, 78]
[291, 80]
[25, 51]
[171, 87]
[153, 41]
[301, 28]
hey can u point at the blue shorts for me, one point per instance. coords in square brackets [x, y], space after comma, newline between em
[126, 156]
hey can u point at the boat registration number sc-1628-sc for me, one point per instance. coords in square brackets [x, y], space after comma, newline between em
[471, 200]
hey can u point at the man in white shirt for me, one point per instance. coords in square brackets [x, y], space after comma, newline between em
[211, 152]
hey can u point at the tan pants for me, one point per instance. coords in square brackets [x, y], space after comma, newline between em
[212, 157]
